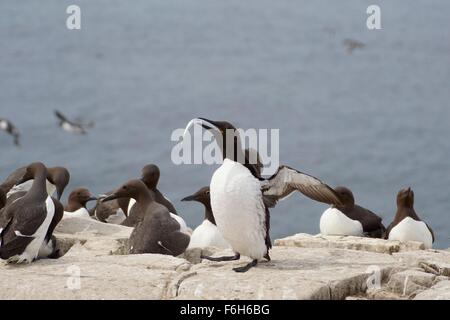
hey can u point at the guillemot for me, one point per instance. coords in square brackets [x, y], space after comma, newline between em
[206, 234]
[20, 182]
[9, 128]
[72, 126]
[30, 220]
[150, 177]
[407, 226]
[76, 204]
[349, 219]
[240, 198]
[114, 211]
[158, 232]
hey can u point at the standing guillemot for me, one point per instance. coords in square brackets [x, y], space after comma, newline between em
[158, 232]
[71, 126]
[349, 219]
[8, 127]
[150, 177]
[240, 198]
[407, 225]
[27, 222]
[206, 234]
[76, 204]
[20, 182]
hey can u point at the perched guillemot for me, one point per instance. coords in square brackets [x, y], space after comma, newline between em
[20, 182]
[8, 127]
[349, 219]
[240, 198]
[206, 234]
[150, 177]
[72, 126]
[407, 225]
[158, 232]
[113, 211]
[29, 221]
[76, 204]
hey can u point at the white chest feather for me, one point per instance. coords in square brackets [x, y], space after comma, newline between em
[236, 201]
[116, 218]
[412, 230]
[80, 213]
[334, 222]
[26, 186]
[32, 250]
[207, 235]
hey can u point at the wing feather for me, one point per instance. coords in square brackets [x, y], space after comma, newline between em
[287, 180]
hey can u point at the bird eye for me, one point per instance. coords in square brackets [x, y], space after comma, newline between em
[207, 193]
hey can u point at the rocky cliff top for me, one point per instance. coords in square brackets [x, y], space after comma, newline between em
[96, 266]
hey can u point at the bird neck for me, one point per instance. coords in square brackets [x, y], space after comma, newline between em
[209, 214]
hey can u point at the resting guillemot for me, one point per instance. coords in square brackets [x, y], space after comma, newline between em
[76, 204]
[113, 211]
[8, 127]
[407, 225]
[19, 182]
[158, 232]
[71, 126]
[206, 234]
[150, 177]
[349, 219]
[29, 221]
[240, 198]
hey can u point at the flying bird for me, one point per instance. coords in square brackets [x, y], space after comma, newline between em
[72, 126]
[352, 45]
[8, 127]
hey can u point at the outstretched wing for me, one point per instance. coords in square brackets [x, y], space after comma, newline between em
[60, 116]
[287, 180]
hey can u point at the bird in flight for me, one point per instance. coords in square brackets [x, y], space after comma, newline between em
[72, 126]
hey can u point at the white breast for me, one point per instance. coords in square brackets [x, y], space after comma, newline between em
[412, 230]
[207, 235]
[116, 218]
[236, 201]
[334, 222]
[80, 213]
[130, 205]
[26, 186]
[32, 250]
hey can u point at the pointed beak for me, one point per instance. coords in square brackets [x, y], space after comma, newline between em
[109, 198]
[59, 192]
[92, 198]
[189, 198]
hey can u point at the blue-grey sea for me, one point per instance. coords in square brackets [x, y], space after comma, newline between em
[375, 120]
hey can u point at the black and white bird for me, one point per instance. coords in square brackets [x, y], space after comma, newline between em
[76, 204]
[240, 198]
[407, 226]
[350, 219]
[20, 181]
[9, 127]
[72, 126]
[158, 232]
[150, 177]
[206, 234]
[27, 224]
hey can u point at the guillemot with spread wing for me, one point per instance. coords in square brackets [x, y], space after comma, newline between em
[240, 198]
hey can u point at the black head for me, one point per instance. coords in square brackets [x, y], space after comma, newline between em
[31, 171]
[345, 195]
[221, 126]
[405, 198]
[80, 196]
[150, 175]
[131, 189]
[201, 196]
[60, 177]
